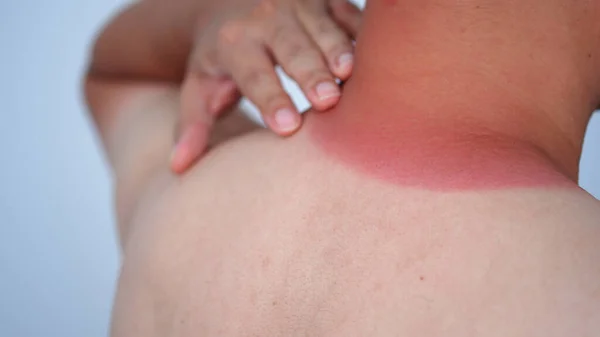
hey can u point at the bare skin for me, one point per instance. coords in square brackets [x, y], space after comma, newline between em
[220, 50]
[291, 237]
[321, 251]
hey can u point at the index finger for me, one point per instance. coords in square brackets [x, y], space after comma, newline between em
[202, 100]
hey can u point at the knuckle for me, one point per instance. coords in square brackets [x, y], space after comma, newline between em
[325, 26]
[255, 79]
[231, 32]
[210, 64]
[292, 50]
[305, 63]
[265, 7]
[331, 35]
[334, 42]
[280, 36]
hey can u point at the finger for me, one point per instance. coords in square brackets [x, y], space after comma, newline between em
[331, 39]
[204, 63]
[204, 59]
[224, 98]
[253, 71]
[302, 60]
[196, 119]
[192, 143]
[347, 15]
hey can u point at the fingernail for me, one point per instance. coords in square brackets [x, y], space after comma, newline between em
[345, 60]
[327, 90]
[286, 119]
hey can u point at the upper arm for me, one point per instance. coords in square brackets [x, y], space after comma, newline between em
[136, 123]
[129, 114]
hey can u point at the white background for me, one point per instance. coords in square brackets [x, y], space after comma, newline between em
[58, 255]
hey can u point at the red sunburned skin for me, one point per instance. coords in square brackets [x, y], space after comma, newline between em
[416, 150]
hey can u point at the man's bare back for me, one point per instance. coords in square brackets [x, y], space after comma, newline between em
[438, 198]
[275, 238]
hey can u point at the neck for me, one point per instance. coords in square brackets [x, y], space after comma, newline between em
[522, 71]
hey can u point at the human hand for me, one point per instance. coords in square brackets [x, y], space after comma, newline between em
[235, 55]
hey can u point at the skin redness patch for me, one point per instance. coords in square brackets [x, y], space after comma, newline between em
[416, 150]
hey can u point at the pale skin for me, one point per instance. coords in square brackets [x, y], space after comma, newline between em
[219, 51]
[283, 237]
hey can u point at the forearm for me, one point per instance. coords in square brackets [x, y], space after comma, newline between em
[150, 40]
